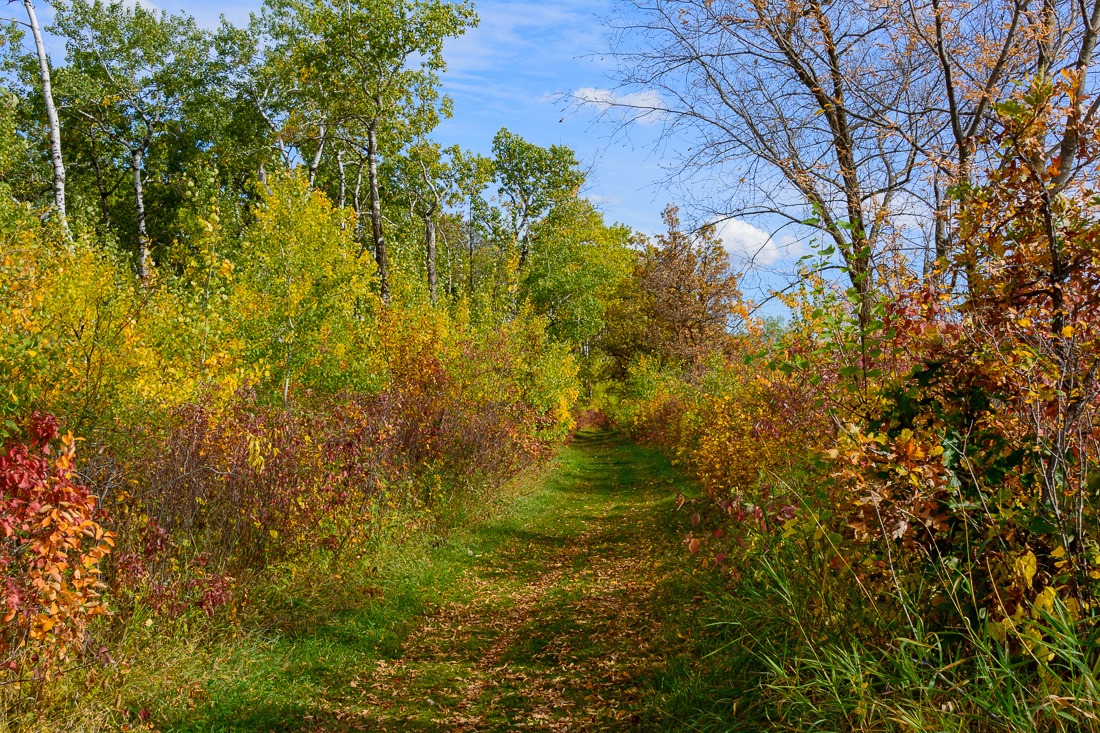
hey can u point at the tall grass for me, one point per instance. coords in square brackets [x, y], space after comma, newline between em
[806, 648]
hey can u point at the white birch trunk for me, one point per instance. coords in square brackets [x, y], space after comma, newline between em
[144, 258]
[51, 117]
[376, 211]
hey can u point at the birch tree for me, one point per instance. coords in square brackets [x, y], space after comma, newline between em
[531, 180]
[54, 123]
[429, 182]
[132, 72]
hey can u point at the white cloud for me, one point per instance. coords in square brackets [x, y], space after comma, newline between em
[754, 246]
[602, 200]
[645, 106]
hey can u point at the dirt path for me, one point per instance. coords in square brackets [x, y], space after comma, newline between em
[562, 625]
[572, 610]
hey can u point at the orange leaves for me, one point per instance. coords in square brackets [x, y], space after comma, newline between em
[51, 552]
[689, 293]
[893, 485]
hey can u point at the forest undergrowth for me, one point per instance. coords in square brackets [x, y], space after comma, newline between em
[553, 606]
[267, 344]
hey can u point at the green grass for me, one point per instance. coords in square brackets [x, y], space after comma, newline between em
[571, 603]
[566, 602]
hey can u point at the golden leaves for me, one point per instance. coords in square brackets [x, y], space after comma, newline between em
[1025, 566]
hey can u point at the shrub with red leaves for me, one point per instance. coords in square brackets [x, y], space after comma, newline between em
[50, 551]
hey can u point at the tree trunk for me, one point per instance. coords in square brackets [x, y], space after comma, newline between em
[343, 179]
[376, 210]
[450, 267]
[524, 243]
[470, 242]
[51, 116]
[357, 199]
[316, 162]
[144, 264]
[429, 253]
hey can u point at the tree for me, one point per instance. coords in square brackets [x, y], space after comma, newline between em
[428, 179]
[531, 180]
[690, 294]
[299, 281]
[473, 174]
[576, 265]
[857, 119]
[767, 87]
[257, 90]
[131, 73]
[379, 63]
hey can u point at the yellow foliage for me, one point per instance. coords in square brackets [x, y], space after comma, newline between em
[730, 431]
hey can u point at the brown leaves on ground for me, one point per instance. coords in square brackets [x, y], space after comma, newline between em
[568, 646]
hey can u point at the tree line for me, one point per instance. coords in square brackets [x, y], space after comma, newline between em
[148, 117]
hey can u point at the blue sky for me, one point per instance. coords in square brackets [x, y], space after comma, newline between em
[513, 70]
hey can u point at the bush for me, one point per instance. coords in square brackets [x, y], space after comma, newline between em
[933, 561]
[50, 553]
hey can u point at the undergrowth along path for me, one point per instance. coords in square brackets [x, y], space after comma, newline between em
[571, 611]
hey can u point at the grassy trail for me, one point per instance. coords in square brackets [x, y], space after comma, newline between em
[571, 611]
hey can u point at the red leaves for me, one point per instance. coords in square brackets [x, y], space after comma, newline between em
[42, 429]
[252, 484]
[50, 553]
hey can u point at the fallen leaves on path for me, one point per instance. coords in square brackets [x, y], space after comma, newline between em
[558, 649]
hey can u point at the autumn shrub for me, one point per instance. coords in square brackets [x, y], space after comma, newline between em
[978, 463]
[234, 486]
[50, 553]
[592, 418]
[251, 411]
[65, 339]
[741, 427]
[890, 557]
[929, 560]
[246, 480]
[656, 407]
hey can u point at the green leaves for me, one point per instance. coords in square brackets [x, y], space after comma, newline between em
[532, 178]
[576, 265]
[344, 66]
